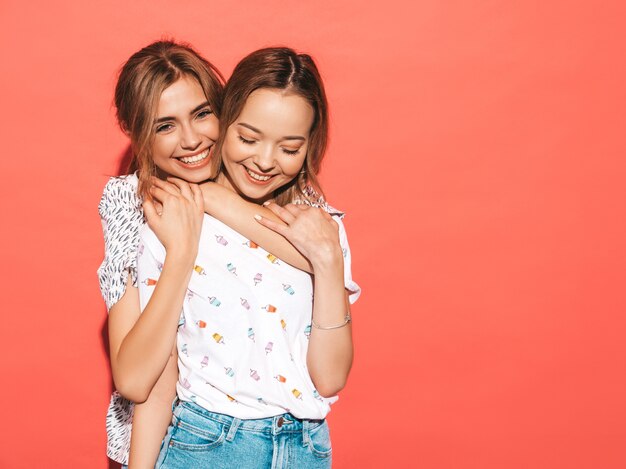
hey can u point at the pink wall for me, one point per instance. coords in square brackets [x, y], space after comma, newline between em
[478, 148]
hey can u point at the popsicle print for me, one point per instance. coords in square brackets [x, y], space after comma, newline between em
[218, 338]
[269, 347]
[205, 361]
[221, 240]
[149, 282]
[214, 301]
[200, 269]
[244, 303]
[273, 259]
[258, 278]
[254, 375]
[231, 268]
[288, 289]
[269, 308]
[251, 334]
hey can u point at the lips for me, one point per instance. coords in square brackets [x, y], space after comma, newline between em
[257, 178]
[198, 159]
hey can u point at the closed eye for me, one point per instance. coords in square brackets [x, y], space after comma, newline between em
[291, 152]
[246, 141]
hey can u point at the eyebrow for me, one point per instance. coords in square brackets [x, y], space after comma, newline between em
[193, 111]
[254, 129]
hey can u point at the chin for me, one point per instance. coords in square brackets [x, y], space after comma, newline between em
[193, 176]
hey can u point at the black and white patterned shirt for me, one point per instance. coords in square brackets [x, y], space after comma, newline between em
[122, 217]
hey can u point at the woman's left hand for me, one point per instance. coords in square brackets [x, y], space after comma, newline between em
[311, 230]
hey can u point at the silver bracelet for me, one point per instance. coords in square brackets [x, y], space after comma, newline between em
[346, 320]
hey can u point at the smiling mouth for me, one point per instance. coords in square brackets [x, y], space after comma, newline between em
[256, 177]
[194, 160]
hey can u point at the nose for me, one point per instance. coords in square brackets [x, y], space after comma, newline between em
[264, 158]
[190, 138]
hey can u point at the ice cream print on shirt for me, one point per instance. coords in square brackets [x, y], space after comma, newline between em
[244, 339]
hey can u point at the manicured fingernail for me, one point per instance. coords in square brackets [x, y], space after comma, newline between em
[257, 217]
[266, 203]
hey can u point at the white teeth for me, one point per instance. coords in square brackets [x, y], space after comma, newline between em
[196, 158]
[256, 176]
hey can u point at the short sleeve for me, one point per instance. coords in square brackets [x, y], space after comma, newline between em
[351, 285]
[122, 216]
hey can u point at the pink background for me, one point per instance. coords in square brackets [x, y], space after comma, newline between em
[478, 149]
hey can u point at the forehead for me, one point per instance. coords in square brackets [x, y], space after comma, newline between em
[181, 96]
[276, 113]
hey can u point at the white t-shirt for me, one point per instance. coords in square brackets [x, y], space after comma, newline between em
[245, 325]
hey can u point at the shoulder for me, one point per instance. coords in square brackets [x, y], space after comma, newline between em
[121, 213]
[315, 199]
[122, 217]
[120, 193]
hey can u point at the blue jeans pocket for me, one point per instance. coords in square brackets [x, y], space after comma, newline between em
[319, 440]
[187, 435]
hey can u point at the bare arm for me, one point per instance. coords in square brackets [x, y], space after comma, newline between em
[152, 417]
[315, 234]
[141, 343]
[232, 210]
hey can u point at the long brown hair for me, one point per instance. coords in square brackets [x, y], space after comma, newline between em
[280, 68]
[142, 79]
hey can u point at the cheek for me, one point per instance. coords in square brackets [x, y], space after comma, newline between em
[210, 128]
[292, 166]
[163, 147]
[234, 150]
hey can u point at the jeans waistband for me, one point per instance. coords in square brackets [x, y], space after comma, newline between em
[283, 423]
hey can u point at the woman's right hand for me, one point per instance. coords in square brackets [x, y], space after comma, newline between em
[175, 212]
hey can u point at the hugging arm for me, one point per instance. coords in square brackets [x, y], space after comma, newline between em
[232, 210]
[141, 342]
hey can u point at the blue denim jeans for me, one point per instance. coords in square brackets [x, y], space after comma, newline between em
[198, 438]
